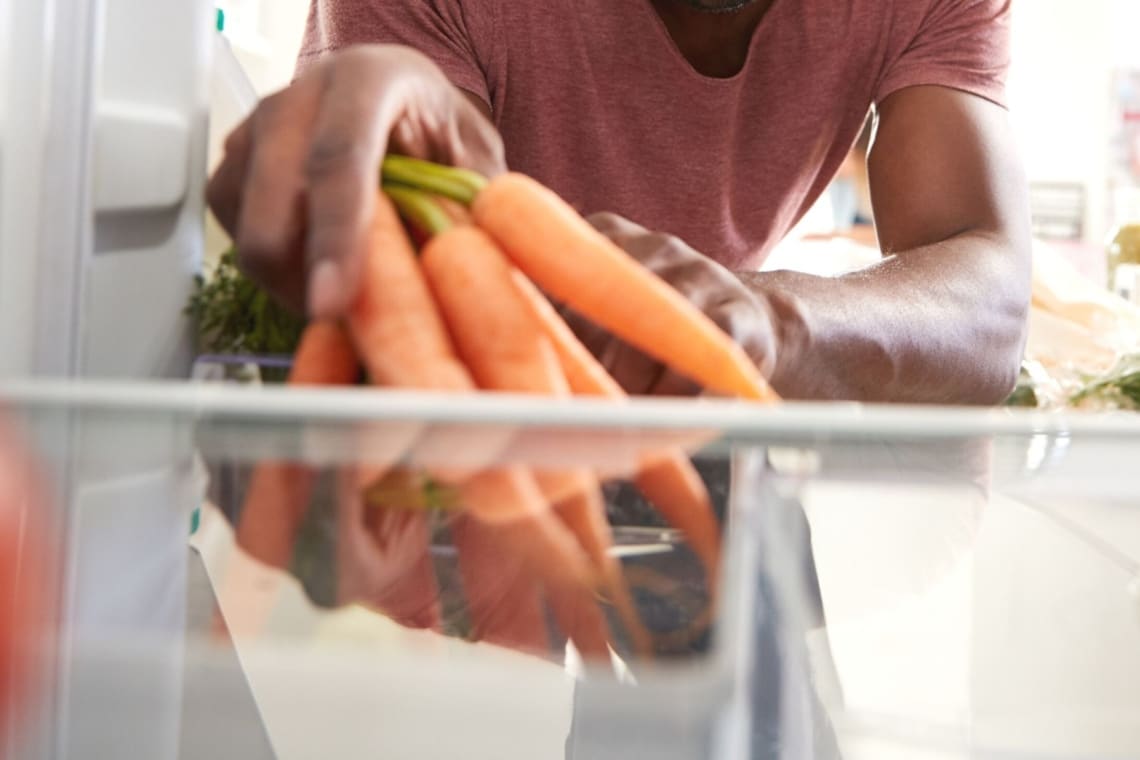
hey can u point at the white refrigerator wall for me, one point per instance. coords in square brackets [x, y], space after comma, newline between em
[43, 145]
[102, 171]
[148, 184]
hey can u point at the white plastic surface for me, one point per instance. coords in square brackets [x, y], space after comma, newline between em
[142, 157]
[153, 83]
[138, 589]
[46, 64]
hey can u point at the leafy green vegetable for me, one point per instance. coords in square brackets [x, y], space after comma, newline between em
[1120, 388]
[1025, 393]
[235, 316]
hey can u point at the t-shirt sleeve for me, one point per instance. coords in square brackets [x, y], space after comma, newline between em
[963, 44]
[456, 34]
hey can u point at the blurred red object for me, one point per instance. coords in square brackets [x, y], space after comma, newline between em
[25, 565]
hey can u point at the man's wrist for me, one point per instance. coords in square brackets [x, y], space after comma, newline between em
[787, 326]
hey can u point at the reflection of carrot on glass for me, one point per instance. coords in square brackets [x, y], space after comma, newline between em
[668, 478]
[279, 495]
[279, 492]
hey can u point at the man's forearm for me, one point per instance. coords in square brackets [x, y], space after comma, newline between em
[941, 324]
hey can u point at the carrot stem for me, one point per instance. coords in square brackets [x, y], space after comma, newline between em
[418, 208]
[461, 185]
[404, 489]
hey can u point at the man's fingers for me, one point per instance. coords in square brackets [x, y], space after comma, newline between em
[342, 172]
[749, 321]
[710, 287]
[614, 226]
[269, 234]
[297, 189]
[634, 371]
[476, 144]
[224, 191]
[669, 383]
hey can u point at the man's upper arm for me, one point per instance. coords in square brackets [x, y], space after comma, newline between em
[944, 163]
[944, 160]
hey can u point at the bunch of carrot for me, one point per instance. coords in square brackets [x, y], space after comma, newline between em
[469, 312]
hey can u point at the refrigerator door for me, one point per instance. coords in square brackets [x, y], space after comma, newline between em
[103, 138]
[102, 167]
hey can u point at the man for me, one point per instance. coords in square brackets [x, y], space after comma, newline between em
[718, 121]
[695, 133]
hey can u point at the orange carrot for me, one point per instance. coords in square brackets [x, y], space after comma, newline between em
[584, 373]
[492, 328]
[394, 322]
[402, 335]
[325, 356]
[575, 263]
[495, 333]
[404, 343]
[667, 479]
[506, 350]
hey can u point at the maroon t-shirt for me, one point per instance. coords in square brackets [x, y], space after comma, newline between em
[594, 99]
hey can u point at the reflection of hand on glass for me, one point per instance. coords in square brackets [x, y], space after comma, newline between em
[383, 558]
[402, 544]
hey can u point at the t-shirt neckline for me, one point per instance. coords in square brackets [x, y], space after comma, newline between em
[679, 58]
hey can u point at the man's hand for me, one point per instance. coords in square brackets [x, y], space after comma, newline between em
[941, 320]
[744, 315]
[296, 188]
